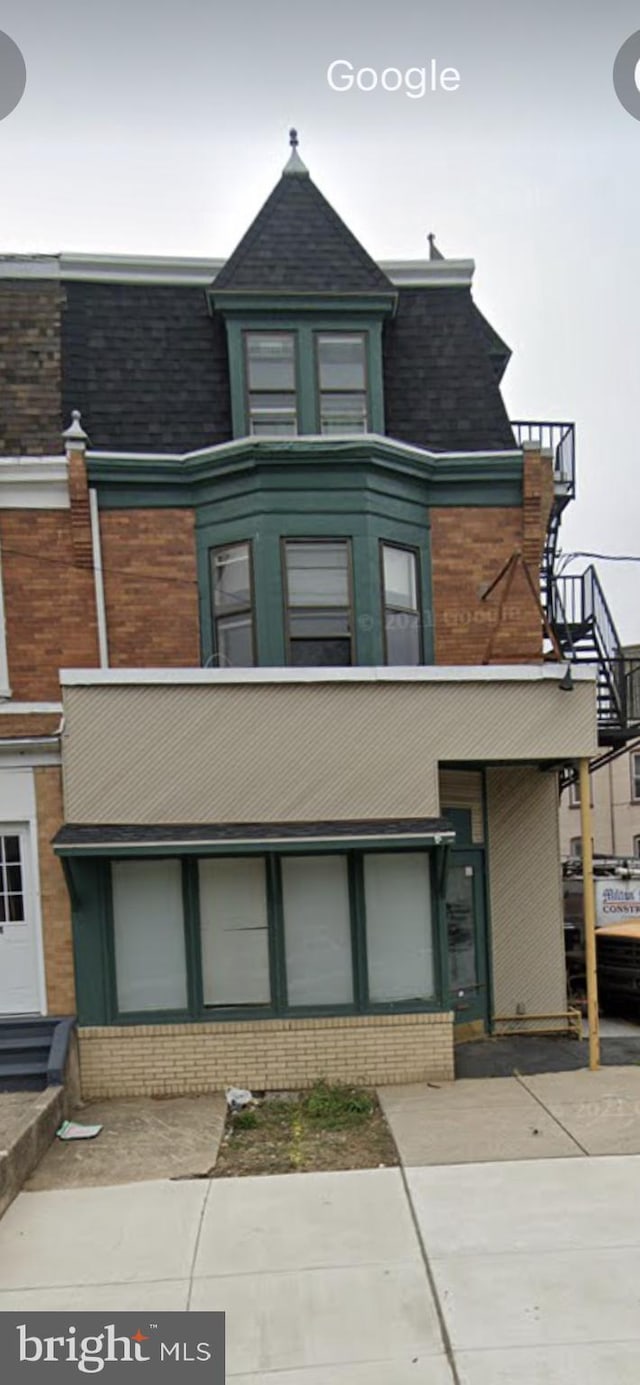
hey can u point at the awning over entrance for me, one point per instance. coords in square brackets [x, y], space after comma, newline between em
[217, 839]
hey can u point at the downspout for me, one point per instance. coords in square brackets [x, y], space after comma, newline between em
[98, 580]
[612, 811]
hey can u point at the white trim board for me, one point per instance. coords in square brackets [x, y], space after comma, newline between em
[26, 709]
[194, 271]
[34, 483]
[432, 673]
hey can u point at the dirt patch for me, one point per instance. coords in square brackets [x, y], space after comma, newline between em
[329, 1128]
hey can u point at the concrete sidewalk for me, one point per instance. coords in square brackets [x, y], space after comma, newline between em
[469, 1275]
[550, 1116]
[321, 1275]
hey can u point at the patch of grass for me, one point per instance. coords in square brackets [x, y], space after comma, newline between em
[244, 1120]
[336, 1107]
[328, 1127]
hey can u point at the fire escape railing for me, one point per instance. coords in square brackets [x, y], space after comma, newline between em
[581, 619]
[576, 606]
[555, 437]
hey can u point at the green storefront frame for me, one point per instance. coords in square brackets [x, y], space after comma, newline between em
[94, 944]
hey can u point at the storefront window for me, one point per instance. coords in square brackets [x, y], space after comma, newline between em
[148, 924]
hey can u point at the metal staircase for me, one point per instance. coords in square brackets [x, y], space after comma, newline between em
[583, 625]
[576, 606]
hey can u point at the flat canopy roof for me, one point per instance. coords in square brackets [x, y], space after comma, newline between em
[205, 838]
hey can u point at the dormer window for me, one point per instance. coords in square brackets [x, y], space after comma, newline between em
[342, 382]
[271, 383]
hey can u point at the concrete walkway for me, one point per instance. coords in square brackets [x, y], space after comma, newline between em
[553, 1115]
[481, 1274]
[321, 1275]
[142, 1138]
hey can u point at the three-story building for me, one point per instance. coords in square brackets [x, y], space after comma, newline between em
[282, 729]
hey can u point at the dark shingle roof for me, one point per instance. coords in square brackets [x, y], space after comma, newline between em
[146, 365]
[75, 835]
[298, 244]
[440, 382]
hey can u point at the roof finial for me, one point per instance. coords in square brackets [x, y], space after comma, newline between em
[294, 165]
[434, 253]
[74, 435]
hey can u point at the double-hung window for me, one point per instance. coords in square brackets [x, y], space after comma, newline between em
[401, 601]
[342, 382]
[319, 616]
[232, 583]
[271, 383]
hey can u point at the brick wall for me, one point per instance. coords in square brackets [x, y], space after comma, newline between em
[469, 546]
[151, 589]
[30, 367]
[49, 600]
[56, 909]
[270, 1055]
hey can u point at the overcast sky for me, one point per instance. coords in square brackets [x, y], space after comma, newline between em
[159, 127]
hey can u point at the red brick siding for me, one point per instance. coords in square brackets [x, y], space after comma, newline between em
[151, 588]
[50, 611]
[468, 548]
[56, 909]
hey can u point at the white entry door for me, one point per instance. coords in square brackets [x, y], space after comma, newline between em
[18, 946]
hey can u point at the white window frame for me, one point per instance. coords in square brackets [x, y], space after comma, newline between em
[636, 846]
[5, 690]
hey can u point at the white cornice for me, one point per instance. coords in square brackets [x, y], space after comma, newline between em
[431, 673]
[198, 272]
[34, 483]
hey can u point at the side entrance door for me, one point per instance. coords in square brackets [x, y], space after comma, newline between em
[19, 991]
[465, 931]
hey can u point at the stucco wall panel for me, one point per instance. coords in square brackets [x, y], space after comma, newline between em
[525, 891]
[270, 752]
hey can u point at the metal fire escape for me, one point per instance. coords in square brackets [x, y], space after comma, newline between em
[576, 606]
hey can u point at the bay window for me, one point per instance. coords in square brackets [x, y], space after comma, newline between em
[319, 616]
[232, 583]
[402, 607]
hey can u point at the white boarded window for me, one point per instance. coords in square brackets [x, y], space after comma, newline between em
[317, 930]
[149, 935]
[234, 931]
[399, 930]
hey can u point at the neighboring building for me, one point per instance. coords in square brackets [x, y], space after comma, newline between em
[310, 762]
[615, 793]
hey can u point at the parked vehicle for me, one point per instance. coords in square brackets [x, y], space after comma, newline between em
[617, 892]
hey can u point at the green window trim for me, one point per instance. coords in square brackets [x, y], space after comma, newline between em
[94, 941]
[306, 330]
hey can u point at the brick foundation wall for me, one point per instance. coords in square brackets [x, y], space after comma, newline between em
[151, 588]
[469, 546]
[50, 610]
[268, 1055]
[30, 367]
[55, 906]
